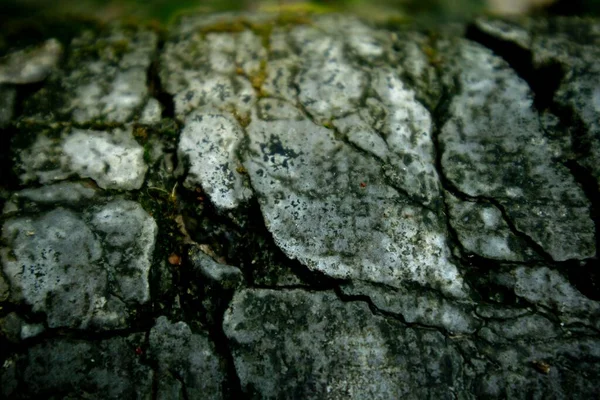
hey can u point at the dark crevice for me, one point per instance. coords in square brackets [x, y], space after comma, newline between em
[346, 298]
[586, 276]
[155, 86]
[205, 302]
[543, 81]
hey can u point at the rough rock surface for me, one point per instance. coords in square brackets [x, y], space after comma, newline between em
[256, 206]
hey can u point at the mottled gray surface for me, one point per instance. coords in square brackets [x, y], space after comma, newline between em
[82, 270]
[188, 364]
[303, 207]
[112, 158]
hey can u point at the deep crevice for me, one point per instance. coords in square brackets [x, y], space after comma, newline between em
[586, 276]
[543, 81]
[155, 86]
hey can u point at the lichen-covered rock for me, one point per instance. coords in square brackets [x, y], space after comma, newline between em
[299, 344]
[215, 69]
[102, 369]
[83, 270]
[494, 148]
[30, 65]
[224, 275]
[188, 366]
[208, 145]
[328, 206]
[482, 230]
[102, 80]
[112, 158]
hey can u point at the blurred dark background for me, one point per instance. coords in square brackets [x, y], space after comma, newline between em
[24, 22]
[163, 10]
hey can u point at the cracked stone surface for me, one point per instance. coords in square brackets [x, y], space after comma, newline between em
[113, 159]
[103, 79]
[494, 148]
[258, 206]
[83, 269]
[188, 364]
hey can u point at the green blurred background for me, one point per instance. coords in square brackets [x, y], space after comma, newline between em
[163, 10]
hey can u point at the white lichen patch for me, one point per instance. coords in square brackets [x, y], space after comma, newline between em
[327, 206]
[208, 145]
[112, 158]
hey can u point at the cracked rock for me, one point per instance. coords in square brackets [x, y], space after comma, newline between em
[188, 366]
[328, 206]
[102, 80]
[494, 148]
[208, 145]
[85, 270]
[311, 346]
[112, 158]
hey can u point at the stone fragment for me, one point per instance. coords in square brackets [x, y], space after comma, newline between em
[550, 289]
[494, 147]
[328, 206]
[482, 230]
[8, 96]
[295, 343]
[31, 65]
[82, 270]
[102, 80]
[216, 70]
[108, 368]
[112, 158]
[225, 275]
[423, 308]
[208, 146]
[188, 365]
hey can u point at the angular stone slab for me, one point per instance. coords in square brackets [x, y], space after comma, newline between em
[494, 147]
[328, 206]
[82, 269]
[188, 365]
[112, 158]
[103, 79]
[295, 343]
[109, 368]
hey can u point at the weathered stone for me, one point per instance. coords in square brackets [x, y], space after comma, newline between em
[482, 230]
[188, 366]
[208, 145]
[416, 306]
[108, 368]
[285, 343]
[103, 79]
[82, 271]
[31, 65]
[112, 158]
[494, 148]
[225, 275]
[328, 206]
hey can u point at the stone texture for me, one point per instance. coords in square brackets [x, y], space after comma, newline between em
[31, 65]
[367, 211]
[311, 345]
[188, 364]
[328, 206]
[112, 158]
[208, 145]
[103, 78]
[494, 147]
[82, 270]
[101, 369]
